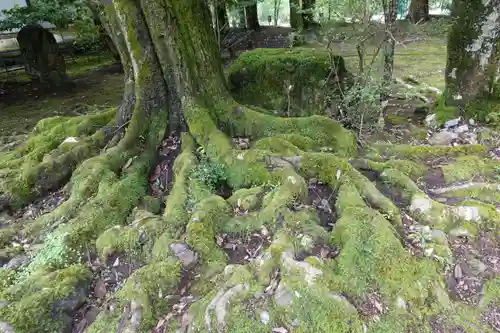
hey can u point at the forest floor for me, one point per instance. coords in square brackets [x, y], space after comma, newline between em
[444, 175]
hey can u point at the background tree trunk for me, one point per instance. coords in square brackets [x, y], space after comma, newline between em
[308, 15]
[222, 17]
[418, 11]
[473, 57]
[252, 17]
[296, 19]
[108, 41]
[242, 21]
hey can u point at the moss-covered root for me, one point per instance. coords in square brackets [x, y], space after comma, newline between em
[44, 303]
[469, 214]
[148, 235]
[51, 153]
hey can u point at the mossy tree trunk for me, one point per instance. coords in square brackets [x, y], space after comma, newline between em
[472, 69]
[419, 11]
[252, 17]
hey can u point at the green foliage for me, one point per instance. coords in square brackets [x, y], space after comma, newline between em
[58, 12]
[361, 102]
[211, 173]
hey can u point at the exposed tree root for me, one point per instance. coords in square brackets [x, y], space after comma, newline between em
[276, 289]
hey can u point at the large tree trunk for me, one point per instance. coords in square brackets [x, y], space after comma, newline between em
[252, 17]
[418, 11]
[473, 57]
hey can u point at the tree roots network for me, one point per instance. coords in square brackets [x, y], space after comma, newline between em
[312, 237]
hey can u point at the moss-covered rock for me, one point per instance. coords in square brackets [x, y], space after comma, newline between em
[293, 81]
[45, 302]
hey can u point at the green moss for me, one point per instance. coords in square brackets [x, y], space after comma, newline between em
[247, 199]
[487, 192]
[38, 303]
[147, 285]
[278, 146]
[104, 323]
[45, 159]
[467, 168]
[151, 204]
[326, 133]
[396, 120]
[269, 77]
[7, 278]
[136, 239]
[6, 235]
[444, 112]
[372, 255]
[208, 217]
[419, 153]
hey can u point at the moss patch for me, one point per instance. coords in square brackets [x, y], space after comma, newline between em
[271, 78]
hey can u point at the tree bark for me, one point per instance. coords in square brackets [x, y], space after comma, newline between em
[419, 11]
[296, 18]
[308, 15]
[473, 64]
[389, 43]
[242, 21]
[252, 17]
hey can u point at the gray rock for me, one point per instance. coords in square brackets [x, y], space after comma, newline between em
[187, 256]
[467, 213]
[460, 232]
[283, 296]
[18, 262]
[452, 123]
[400, 303]
[477, 266]
[462, 129]
[421, 204]
[341, 299]
[6, 328]
[264, 317]
[443, 138]
[430, 121]
[439, 237]
[458, 272]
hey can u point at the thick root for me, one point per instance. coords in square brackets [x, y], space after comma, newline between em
[50, 154]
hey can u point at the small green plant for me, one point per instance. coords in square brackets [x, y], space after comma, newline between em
[54, 254]
[211, 174]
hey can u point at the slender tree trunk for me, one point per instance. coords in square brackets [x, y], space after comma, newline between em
[242, 21]
[222, 17]
[252, 17]
[419, 11]
[473, 65]
[389, 43]
[296, 19]
[108, 41]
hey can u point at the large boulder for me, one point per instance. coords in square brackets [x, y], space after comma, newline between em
[291, 81]
[42, 57]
